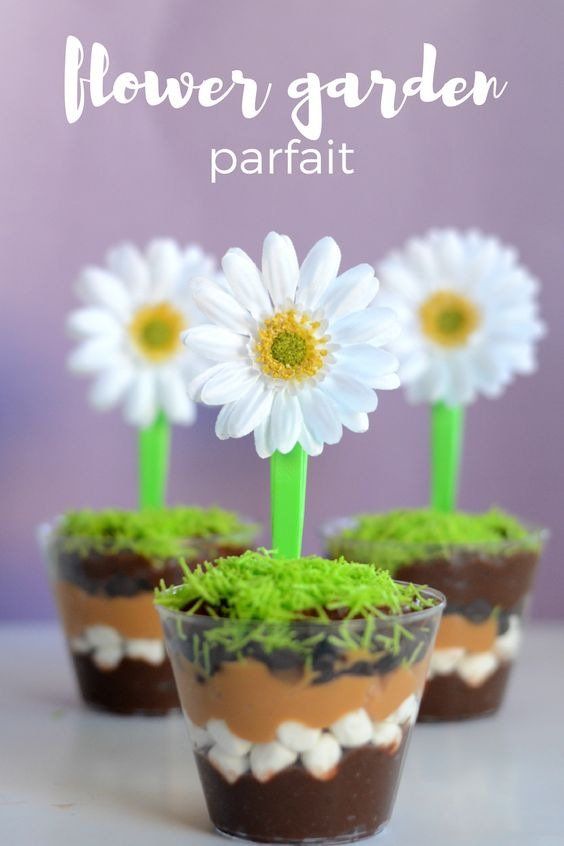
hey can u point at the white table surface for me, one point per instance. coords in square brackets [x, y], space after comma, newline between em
[71, 777]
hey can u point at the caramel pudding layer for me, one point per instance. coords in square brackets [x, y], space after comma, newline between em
[457, 631]
[253, 701]
[133, 617]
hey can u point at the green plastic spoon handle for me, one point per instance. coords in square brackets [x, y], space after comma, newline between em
[154, 447]
[288, 476]
[447, 424]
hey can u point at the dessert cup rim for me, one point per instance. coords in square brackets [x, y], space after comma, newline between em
[331, 529]
[405, 619]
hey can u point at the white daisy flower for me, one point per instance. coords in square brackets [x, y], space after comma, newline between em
[130, 327]
[469, 316]
[297, 348]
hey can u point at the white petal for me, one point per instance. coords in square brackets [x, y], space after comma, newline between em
[127, 263]
[250, 410]
[245, 281]
[165, 261]
[85, 322]
[141, 402]
[320, 267]
[216, 343]
[320, 416]
[355, 421]
[174, 399]
[95, 354]
[197, 382]
[280, 269]
[100, 288]
[222, 421]
[220, 307]
[365, 363]
[352, 291]
[347, 393]
[285, 421]
[376, 325]
[386, 382]
[110, 387]
[308, 442]
[229, 383]
[262, 441]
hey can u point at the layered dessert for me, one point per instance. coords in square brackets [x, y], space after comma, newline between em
[485, 565]
[300, 680]
[105, 567]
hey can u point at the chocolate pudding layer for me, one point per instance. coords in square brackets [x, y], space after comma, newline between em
[448, 697]
[132, 687]
[293, 806]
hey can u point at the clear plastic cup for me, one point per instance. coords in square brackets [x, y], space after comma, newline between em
[105, 603]
[301, 744]
[486, 585]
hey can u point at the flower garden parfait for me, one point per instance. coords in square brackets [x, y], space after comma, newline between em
[470, 323]
[485, 565]
[300, 681]
[104, 568]
[300, 677]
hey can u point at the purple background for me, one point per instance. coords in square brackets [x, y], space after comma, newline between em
[70, 192]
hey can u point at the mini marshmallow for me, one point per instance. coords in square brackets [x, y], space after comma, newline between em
[474, 669]
[406, 712]
[323, 758]
[507, 645]
[297, 736]
[79, 645]
[230, 766]
[101, 636]
[386, 736]
[108, 657]
[150, 650]
[267, 759]
[224, 737]
[354, 729]
[445, 661]
[199, 736]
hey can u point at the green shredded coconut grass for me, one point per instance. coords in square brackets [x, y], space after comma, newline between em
[255, 604]
[255, 586]
[156, 533]
[397, 538]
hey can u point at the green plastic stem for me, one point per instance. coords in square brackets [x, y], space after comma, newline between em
[447, 424]
[154, 447]
[288, 476]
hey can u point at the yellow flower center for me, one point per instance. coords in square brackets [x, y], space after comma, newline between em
[155, 331]
[288, 346]
[448, 318]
